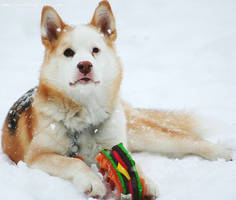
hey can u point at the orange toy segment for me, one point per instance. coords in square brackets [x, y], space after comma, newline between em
[144, 186]
[106, 164]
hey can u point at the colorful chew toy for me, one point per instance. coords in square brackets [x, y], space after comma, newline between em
[122, 174]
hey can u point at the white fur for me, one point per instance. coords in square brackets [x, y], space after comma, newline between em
[111, 132]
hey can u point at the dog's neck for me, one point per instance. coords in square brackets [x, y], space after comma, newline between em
[75, 116]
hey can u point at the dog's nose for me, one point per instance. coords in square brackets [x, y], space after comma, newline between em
[84, 67]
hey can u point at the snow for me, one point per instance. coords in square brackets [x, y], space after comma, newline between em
[53, 126]
[177, 55]
[58, 29]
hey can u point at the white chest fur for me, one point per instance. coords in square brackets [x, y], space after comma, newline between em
[93, 139]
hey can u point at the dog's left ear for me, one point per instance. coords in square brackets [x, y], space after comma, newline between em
[104, 20]
[51, 26]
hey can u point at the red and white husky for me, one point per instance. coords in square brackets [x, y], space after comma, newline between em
[76, 108]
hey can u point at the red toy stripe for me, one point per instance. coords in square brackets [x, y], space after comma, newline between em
[131, 188]
[119, 159]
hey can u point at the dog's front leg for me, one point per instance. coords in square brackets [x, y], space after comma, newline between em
[151, 187]
[71, 169]
[114, 132]
[46, 153]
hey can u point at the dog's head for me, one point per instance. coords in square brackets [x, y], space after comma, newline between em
[81, 60]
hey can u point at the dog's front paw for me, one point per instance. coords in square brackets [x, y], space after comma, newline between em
[152, 191]
[91, 185]
[96, 190]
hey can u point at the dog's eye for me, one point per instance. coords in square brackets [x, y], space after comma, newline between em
[69, 52]
[95, 50]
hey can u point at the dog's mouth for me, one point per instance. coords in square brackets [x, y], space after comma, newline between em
[84, 81]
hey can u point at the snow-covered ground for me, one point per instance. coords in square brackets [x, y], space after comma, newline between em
[177, 55]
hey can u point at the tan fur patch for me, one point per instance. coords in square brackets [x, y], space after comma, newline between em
[49, 94]
[167, 122]
[115, 88]
[51, 47]
[15, 146]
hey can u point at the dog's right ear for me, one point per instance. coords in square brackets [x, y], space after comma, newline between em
[104, 20]
[51, 26]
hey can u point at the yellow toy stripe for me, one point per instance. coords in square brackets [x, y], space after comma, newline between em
[122, 170]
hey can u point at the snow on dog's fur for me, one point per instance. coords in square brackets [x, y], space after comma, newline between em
[78, 92]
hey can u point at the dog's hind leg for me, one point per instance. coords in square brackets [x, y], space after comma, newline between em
[168, 133]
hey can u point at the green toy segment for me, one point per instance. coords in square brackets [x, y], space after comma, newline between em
[122, 171]
[140, 187]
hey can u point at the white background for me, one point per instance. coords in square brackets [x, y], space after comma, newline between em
[177, 55]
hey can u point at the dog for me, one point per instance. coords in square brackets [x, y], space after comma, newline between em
[77, 110]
